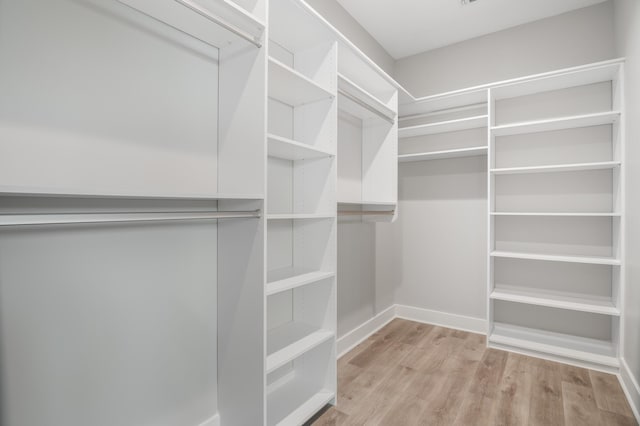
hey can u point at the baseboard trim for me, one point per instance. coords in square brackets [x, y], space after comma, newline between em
[213, 421]
[630, 387]
[362, 332]
[428, 316]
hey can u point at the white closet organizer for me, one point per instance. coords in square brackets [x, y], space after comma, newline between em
[300, 363]
[556, 215]
[449, 125]
[145, 126]
[367, 145]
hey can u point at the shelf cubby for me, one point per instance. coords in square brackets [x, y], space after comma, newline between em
[291, 340]
[292, 87]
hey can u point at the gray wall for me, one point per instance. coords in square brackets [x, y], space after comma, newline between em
[627, 24]
[439, 239]
[573, 38]
[337, 15]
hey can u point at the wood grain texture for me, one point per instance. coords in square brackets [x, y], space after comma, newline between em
[409, 373]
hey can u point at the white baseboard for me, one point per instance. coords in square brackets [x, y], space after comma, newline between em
[213, 421]
[459, 322]
[630, 387]
[362, 332]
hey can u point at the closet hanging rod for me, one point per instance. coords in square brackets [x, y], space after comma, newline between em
[85, 218]
[208, 15]
[365, 105]
[366, 212]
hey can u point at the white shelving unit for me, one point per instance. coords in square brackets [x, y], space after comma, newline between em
[571, 312]
[300, 291]
[444, 126]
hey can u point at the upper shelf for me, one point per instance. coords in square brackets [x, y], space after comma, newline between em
[289, 149]
[357, 101]
[449, 153]
[557, 80]
[466, 123]
[557, 168]
[293, 88]
[572, 122]
[218, 23]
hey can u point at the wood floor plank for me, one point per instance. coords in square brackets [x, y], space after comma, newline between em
[331, 417]
[416, 333]
[479, 404]
[608, 418]
[606, 389]
[407, 412]
[576, 375]
[579, 404]
[514, 396]
[546, 394]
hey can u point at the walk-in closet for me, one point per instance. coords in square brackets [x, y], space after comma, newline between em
[319, 212]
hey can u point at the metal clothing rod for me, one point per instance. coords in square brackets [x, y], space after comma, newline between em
[206, 14]
[366, 212]
[84, 218]
[365, 105]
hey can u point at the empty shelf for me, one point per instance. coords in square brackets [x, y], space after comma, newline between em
[294, 403]
[553, 299]
[558, 168]
[436, 155]
[571, 122]
[298, 216]
[595, 260]
[475, 122]
[289, 149]
[291, 87]
[563, 345]
[285, 279]
[289, 341]
[558, 214]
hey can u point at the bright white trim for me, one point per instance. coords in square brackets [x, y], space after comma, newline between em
[213, 421]
[359, 334]
[630, 387]
[443, 319]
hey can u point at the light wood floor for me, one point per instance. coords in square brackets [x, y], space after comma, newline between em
[416, 374]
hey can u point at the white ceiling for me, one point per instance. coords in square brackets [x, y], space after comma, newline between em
[407, 27]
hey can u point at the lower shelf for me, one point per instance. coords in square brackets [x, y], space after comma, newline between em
[284, 279]
[294, 403]
[569, 347]
[556, 299]
[289, 341]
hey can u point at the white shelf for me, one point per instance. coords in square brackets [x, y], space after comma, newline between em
[367, 106]
[556, 214]
[300, 216]
[289, 149]
[594, 260]
[294, 403]
[554, 299]
[571, 122]
[366, 203]
[289, 341]
[201, 20]
[293, 88]
[475, 122]
[563, 345]
[12, 190]
[437, 155]
[558, 168]
[284, 279]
